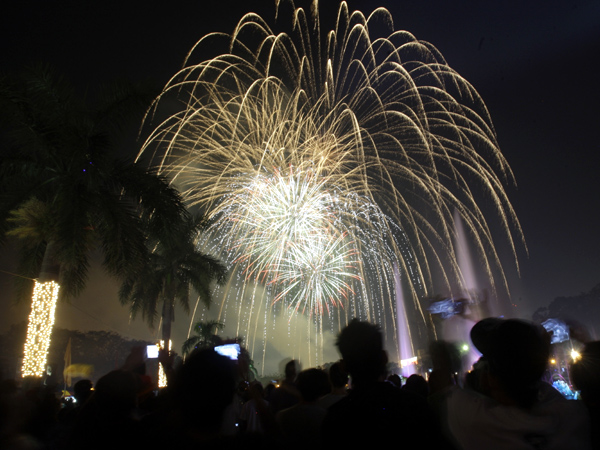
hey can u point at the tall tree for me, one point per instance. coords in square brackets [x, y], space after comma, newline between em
[204, 336]
[173, 268]
[64, 188]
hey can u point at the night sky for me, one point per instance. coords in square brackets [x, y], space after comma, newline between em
[534, 63]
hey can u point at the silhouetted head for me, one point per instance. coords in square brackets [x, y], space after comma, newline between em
[268, 389]
[395, 380]
[312, 384]
[135, 361]
[361, 347]
[291, 369]
[257, 389]
[117, 391]
[338, 377]
[417, 384]
[516, 352]
[203, 388]
[82, 390]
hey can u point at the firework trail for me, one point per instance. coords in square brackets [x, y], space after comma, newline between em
[324, 159]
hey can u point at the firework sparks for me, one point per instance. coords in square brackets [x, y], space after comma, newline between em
[325, 159]
[301, 235]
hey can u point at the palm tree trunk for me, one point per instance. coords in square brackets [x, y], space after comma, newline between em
[166, 360]
[167, 316]
[41, 318]
[50, 269]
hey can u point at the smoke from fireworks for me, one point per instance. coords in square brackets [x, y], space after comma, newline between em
[325, 159]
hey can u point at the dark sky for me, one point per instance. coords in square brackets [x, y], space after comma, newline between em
[535, 63]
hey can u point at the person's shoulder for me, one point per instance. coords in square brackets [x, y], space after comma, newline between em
[330, 399]
[380, 395]
[387, 390]
[342, 404]
[548, 394]
[286, 411]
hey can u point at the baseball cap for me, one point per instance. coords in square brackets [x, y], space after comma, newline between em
[517, 350]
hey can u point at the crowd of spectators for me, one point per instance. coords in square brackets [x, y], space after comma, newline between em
[211, 403]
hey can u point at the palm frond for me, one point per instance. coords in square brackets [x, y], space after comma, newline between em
[60, 149]
[190, 344]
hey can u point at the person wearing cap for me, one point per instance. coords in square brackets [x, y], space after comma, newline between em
[505, 404]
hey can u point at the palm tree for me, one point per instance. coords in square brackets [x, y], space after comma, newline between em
[205, 336]
[173, 268]
[65, 191]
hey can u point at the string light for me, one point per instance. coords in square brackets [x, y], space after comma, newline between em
[162, 377]
[39, 331]
[408, 362]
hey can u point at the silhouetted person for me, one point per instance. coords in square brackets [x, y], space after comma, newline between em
[106, 420]
[395, 380]
[375, 413]
[202, 390]
[507, 405]
[286, 395]
[417, 384]
[82, 391]
[67, 417]
[300, 424]
[28, 417]
[198, 393]
[254, 409]
[338, 379]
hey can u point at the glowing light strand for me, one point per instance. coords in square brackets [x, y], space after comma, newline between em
[162, 376]
[39, 330]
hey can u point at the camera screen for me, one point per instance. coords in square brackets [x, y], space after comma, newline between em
[152, 351]
[230, 350]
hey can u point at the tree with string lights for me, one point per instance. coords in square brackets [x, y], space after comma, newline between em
[65, 191]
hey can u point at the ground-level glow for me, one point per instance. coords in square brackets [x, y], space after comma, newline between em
[41, 321]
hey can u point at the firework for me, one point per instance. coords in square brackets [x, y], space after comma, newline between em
[325, 159]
